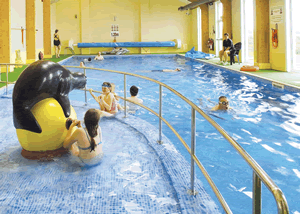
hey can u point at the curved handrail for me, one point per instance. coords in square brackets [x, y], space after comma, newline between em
[275, 190]
[280, 199]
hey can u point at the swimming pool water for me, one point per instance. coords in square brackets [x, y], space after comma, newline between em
[265, 121]
[136, 175]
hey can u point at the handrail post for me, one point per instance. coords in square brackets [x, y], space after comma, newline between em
[125, 107]
[6, 79]
[193, 145]
[160, 111]
[256, 203]
[85, 89]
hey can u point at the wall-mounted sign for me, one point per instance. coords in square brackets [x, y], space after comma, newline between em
[276, 14]
[114, 31]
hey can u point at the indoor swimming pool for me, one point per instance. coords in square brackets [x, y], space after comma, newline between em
[138, 175]
[264, 121]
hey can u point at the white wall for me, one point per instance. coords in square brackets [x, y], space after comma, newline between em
[18, 20]
[212, 27]
[39, 39]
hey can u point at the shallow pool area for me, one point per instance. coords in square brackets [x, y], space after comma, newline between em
[264, 121]
[136, 175]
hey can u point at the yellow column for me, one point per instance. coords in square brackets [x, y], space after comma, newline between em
[227, 17]
[204, 27]
[262, 40]
[30, 31]
[4, 32]
[47, 28]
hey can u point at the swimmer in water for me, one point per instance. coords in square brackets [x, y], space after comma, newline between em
[99, 57]
[170, 70]
[222, 105]
[81, 64]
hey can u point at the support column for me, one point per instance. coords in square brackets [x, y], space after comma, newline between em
[262, 40]
[227, 17]
[47, 28]
[30, 31]
[204, 27]
[5, 32]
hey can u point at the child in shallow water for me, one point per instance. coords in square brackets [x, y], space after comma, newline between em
[86, 143]
[113, 86]
[106, 99]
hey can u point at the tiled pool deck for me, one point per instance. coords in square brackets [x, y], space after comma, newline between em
[136, 175]
[287, 78]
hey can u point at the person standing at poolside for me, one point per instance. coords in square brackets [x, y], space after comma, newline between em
[106, 99]
[222, 105]
[228, 46]
[57, 44]
[131, 106]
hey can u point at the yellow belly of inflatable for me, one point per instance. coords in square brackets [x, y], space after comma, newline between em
[49, 114]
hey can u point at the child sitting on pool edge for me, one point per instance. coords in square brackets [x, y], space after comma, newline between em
[106, 99]
[113, 86]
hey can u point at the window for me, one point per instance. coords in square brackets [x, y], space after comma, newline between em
[219, 28]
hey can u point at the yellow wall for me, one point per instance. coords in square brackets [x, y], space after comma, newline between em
[204, 27]
[53, 26]
[64, 20]
[138, 20]
[236, 24]
[277, 56]
[194, 29]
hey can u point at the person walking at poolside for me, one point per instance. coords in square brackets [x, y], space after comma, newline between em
[222, 105]
[86, 143]
[106, 99]
[131, 106]
[228, 46]
[57, 44]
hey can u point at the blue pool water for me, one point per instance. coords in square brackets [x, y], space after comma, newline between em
[136, 175]
[265, 122]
